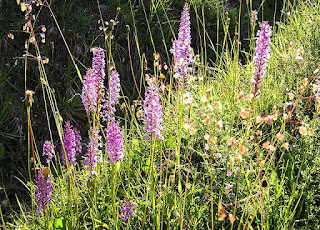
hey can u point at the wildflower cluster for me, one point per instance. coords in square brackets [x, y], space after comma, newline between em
[217, 146]
[127, 209]
[93, 82]
[72, 143]
[93, 150]
[181, 49]
[43, 192]
[112, 96]
[253, 18]
[78, 140]
[153, 112]
[114, 141]
[115, 145]
[262, 55]
[48, 150]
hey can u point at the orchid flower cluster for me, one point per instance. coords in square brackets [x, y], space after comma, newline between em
[262, 55]
[93, 82]
[114, 141]
[48, 150]
[72, 144]
[182, 51]
[115, 144]
[153, 115]
[92, 96]
[43, 192]
[112, 96]
[93, 150]
[127, 209]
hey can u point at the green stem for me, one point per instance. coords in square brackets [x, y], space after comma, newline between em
[179, 141]
[212, 215]
[204, 42]
[250, 115]
[152, 150]
[114, 177]
[30, 139]
[29, 165]
[152, 176]
[185, 190]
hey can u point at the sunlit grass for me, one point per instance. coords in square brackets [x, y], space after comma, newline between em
[227, 160]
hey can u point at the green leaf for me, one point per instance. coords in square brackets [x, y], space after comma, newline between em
[1, 151]
[58, 223]
[170, 143]
[135, 143]
[146, 166]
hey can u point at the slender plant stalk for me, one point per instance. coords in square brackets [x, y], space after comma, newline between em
[114, 178]
[185, 191]
[150, 180]
[30, 139]
[204, 42]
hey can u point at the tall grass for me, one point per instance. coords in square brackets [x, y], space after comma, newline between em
[228, 159]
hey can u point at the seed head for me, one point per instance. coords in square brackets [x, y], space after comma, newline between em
[29, 98]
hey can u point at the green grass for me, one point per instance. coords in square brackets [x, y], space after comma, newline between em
[180, 182]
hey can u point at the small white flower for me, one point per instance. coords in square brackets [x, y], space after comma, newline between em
[187, 98]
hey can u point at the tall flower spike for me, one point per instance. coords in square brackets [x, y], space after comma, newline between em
[43, 192]
[90, 90]
[127, 209]
[77, 135]
[93, 150]
[98, 64]
[115, 145]
[72, 143]
[93, 81]
[262, 55]
[152, 112]
[112, 96]
[181, 49]
[48, 150]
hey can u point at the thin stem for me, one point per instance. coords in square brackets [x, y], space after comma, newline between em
[64, 40]
[185, 192]
[114, 177]
[30, 138]
[152, 150]
[131, 66]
